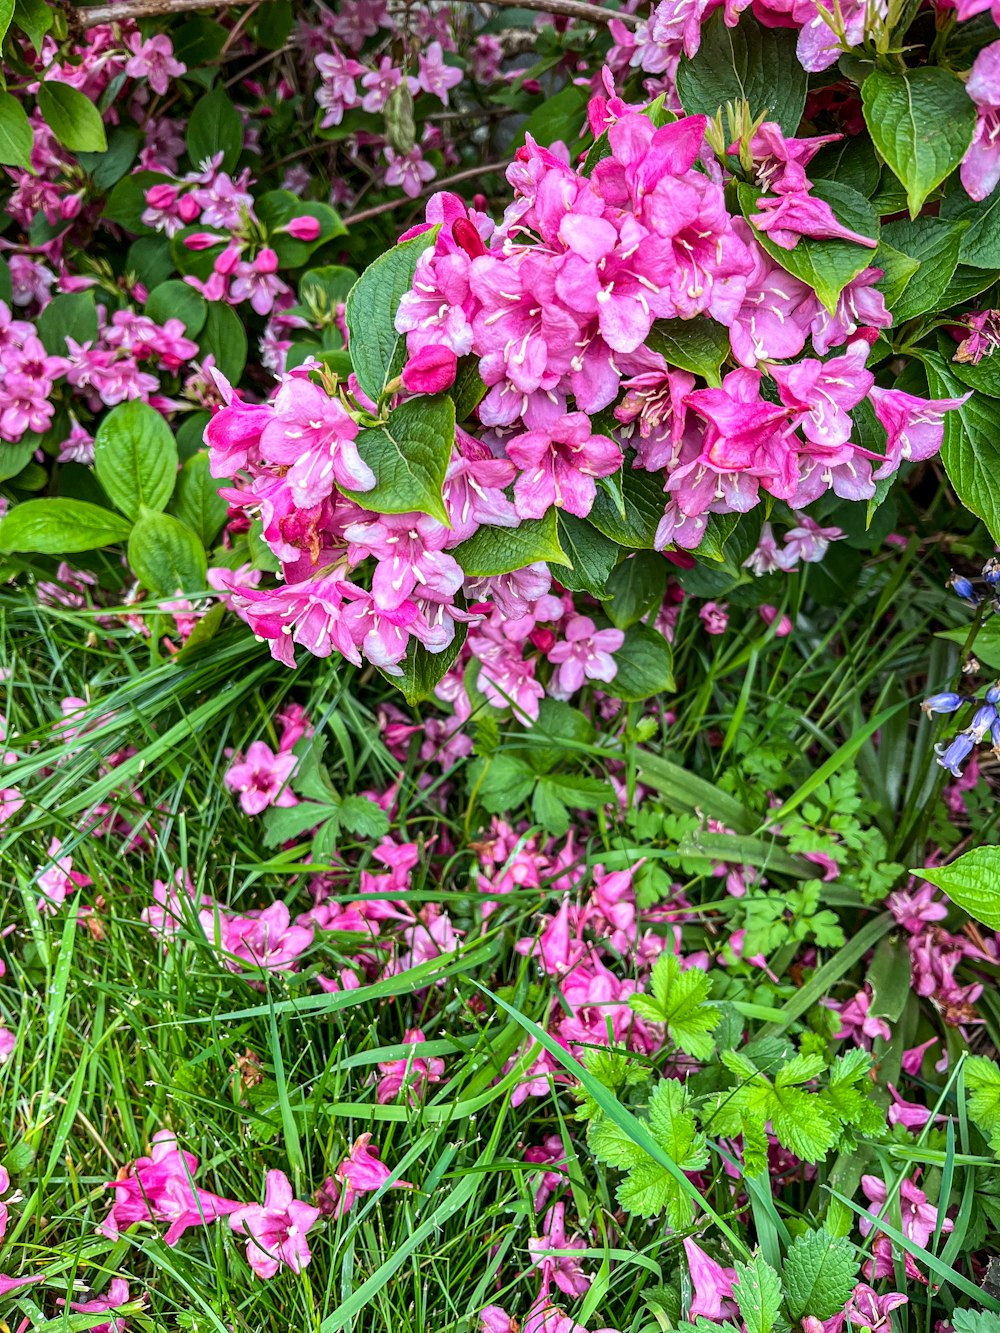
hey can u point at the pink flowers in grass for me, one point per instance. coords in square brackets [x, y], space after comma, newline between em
[261, 778]
[276, 1230]
[361, 1172]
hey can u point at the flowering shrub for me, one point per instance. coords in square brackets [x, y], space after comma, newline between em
[477, 493]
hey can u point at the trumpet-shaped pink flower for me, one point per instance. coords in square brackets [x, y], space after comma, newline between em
[558, 466]
[360, 1172]
[116, 1295]
[920, 1218]
[713, 1285]
[265, 939]
[312, 435]
[914, 426]
[585, 653]
[786, 218]
[412, 1070]
[153, 59]
[161, 1188]
[261, 778]
[276, 1230]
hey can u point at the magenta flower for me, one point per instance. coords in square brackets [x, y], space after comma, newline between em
[410, 170]
[558, 466]
[562, 1269]
[914, 426]
[714, 617]
[857, 1023]
[233, 434]
[431, 370]
[585, 653]
[153, 59]
[411, 1071]
[868, 1310]
[980, 170]
[58, 879]
[822, 393]
[360, 1172]
[261, 778]
[161, 1188]
[313, 436]
[116, 1295]
[785, 218]
[773, 322]
[713, 1285]
[338, 91]
[920, 1218]
[266, 938]
[495, 1320]
[435, 77]
[277, 1229]
[860, 306]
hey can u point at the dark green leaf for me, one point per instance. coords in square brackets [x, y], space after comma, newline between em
[747, 63]
[214, 127]
[560, 117]
[377, 350]
[592, 556]
[981, 241]
[422, 669]
[166, 556]
[697, 345]
[636, 587]
[935, 244]
[971, 448]
[60, 527]
[72, 315]
[71, 117]
[197, 501]
[135, 458]
[224, 337]
[178, 300]
[922, 122]
[409, 456]
[106, 168]
[644, 502]
[15, 133]
[645, 665]
[492, 550]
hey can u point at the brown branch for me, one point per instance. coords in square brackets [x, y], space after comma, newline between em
[89, 16]
[441, 184]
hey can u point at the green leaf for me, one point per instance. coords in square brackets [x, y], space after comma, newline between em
[421, 669]
[819, 1274]
[106, 168]
[922, 122]
[491, 551]
[409, 456]
[972, 882]
[176, 300]
[135, 458]
[360, 815]
[636, 587]
[970, 451]
[826, 266]
[468, 390]
[72, 315]
[377, 350]
[15, 457]
[747, 63]
[981, 241]
[197, 501]
[277, 208]
[852, 161]
[166, 556]
[679, 1001]
[71, 117]
[757, 1289]
[60, 527]
[501, 782]
[975, 1321]
[15, 133]
[897, 270]
[127, 202]
[559, 117]
[982, 1087]
[935, 244]
[224, 338]
[645, 665]
[214, 127]
[592, 556]
[644, 502]
[34, 18]
[697, 345]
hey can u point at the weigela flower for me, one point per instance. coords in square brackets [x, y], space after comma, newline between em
[276, 1230]
[559, 465]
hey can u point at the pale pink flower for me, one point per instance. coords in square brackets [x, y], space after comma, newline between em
[261, 778]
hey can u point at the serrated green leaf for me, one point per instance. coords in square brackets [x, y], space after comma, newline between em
[409, 455]
[377, 350]
[491, 551]
[757, 1289]
[819, 1274]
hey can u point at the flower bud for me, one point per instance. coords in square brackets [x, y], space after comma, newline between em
[266, 261]
[188, 208]
[227, 261]
[468, 238]
[161, 196]
[432, 370]
[202, 240]
[302, 229]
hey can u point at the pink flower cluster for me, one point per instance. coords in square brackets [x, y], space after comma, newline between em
[560, 306]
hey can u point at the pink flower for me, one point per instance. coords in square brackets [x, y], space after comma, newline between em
[431, 370]
[116, 1295]
[713, 1285]
[435, 76]
[981, 165]
[585, 653]
[562, 1269]
[233, 434]
[312, 434]
[412, 1071]
[558, 466]
[261, 778]
[857, 1024]
[265, 938]
[161, 1188]
[914, 426]
[714, 617]
[153, 59]
[410, 170]
[868, 1310]
[276, 1229]
[360, 1172]
[785, 218]
[769, 614]
[58, 879]
[920, 1218]
[495, 1320]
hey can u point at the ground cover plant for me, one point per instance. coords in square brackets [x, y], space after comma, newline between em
[498, 645]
